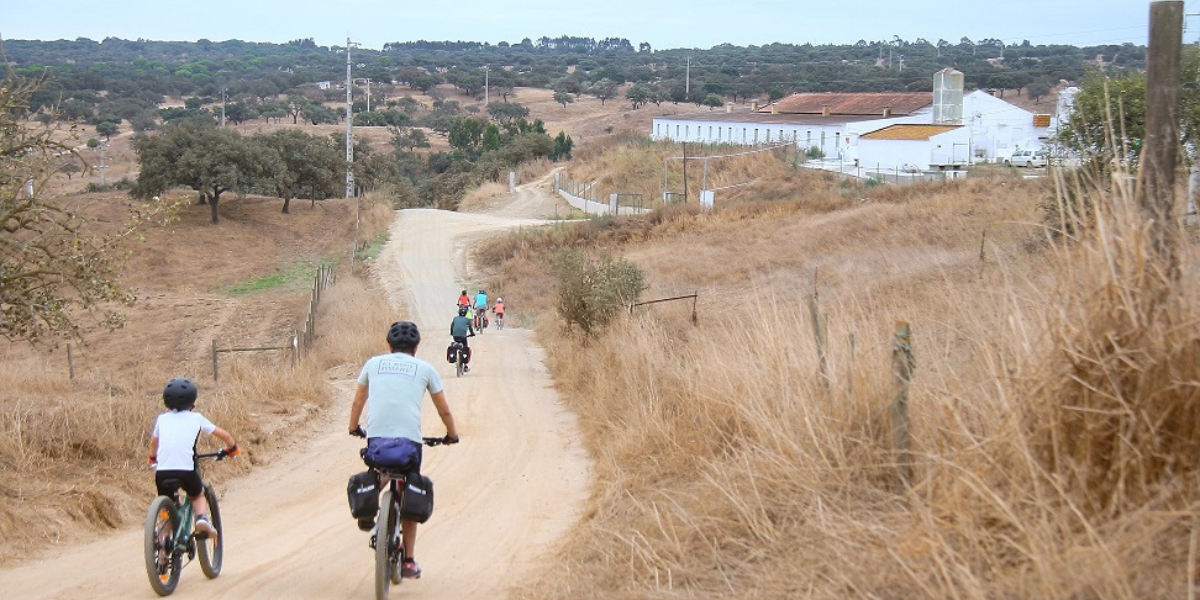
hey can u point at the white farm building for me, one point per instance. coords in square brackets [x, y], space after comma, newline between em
[976, 127]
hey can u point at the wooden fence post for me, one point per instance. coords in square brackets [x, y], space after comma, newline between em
[1161, 143]
[214, 353]
[695, 298]
[819, 335]
[70, 361]
[903, 365]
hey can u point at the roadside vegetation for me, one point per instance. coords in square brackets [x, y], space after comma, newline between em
[1052, 407]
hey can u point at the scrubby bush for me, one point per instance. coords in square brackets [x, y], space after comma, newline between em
[592, 292]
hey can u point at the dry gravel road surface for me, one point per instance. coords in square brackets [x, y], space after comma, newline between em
[504, 495]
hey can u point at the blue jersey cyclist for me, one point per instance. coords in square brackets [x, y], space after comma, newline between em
[392, 387]
[481, 301]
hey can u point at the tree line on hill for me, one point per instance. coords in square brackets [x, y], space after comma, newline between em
[114, 79]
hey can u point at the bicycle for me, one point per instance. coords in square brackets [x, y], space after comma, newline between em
[499, 321]
[481, 320]
[168, 536]
[460, 357]
[389, 556]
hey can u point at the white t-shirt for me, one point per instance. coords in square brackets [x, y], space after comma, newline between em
[396, 385]
[177, 432]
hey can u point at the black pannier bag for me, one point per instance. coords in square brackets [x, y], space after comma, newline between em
[451, 353]
[363, 492]
[417, 501]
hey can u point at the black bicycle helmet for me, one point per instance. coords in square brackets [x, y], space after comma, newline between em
[462, 311]
[180, 394]
[403, 335]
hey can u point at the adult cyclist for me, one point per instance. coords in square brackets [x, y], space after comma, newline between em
[392, 387]
[464, 300]
[460, 330]
[481, 308]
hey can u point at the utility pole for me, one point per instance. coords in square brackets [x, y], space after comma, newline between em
[223, 108]
[1159, 152]
[100, 167]
[485, 86]
[685, 194]
[687, 83]
[349, 130]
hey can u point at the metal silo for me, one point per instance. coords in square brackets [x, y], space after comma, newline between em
[948, 97]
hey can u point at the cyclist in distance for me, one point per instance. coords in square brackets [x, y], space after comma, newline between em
[464, 299]
[498, 308]
[173, 446]
[461, 329]
[392, 387]
[481, 306]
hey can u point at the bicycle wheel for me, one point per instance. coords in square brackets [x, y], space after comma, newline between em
[163, 562]
[212, 548]
[458, 366]
[387, 540]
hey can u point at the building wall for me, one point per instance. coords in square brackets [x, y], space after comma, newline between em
[950, 148]
[998, 128]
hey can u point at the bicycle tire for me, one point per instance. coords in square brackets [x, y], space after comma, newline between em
[458, 365]
[386, 534]
[212, 548]
[162, 523]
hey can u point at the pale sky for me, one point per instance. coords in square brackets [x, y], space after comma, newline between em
[664, 24]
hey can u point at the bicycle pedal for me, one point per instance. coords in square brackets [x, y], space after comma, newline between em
[372, 542]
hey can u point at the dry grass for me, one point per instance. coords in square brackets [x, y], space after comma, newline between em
[72, 452]
[1053, 408]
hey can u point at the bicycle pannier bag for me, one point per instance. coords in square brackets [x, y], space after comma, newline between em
[450, 354]
[363, 492]
[391, 453]
[417, 502]
[467, 356]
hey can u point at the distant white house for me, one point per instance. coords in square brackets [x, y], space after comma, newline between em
[837, 124]
[915, 147]
[818, 121]
[324, 85]
[999, 128]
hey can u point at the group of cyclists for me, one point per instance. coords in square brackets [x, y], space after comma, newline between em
[472, 318]
[391, 389]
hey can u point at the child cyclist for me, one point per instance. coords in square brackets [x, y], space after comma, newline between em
[173, 446]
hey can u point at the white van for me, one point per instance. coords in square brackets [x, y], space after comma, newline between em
[1026, 158]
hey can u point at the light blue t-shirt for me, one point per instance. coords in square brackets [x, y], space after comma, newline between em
[481, 301]
[396, 385]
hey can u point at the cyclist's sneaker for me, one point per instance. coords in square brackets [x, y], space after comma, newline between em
[203, 527]
[410, 570]
[466, 369]
[366, 524]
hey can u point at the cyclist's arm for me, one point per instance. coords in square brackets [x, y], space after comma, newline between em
[360, 400]
[443, 409]
[153, 449]
[224, 436]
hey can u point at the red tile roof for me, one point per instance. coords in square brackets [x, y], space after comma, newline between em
[900, 103]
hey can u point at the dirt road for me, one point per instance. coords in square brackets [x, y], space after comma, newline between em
[503, 496]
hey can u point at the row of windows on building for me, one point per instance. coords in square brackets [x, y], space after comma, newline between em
[748, 135]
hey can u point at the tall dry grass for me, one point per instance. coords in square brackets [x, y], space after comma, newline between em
[1054, 414]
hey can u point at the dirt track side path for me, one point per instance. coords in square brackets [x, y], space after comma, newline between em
[504, 495]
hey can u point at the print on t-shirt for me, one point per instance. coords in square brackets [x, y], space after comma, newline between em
[396, 367]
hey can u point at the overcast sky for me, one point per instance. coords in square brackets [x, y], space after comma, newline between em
[663, 23]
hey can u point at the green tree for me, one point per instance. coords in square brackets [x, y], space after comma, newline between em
[1038, 89]
[411, 138]
[563, 98]
[307, 165]
[638, 95]
[562, 147]
[506, 111]
[206, 159]
[603, 90]
[107, 129]
[713, 101]
[466, 134]
[53, 270]
[491, 138]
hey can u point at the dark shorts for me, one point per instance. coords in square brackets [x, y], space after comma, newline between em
[188, 480]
